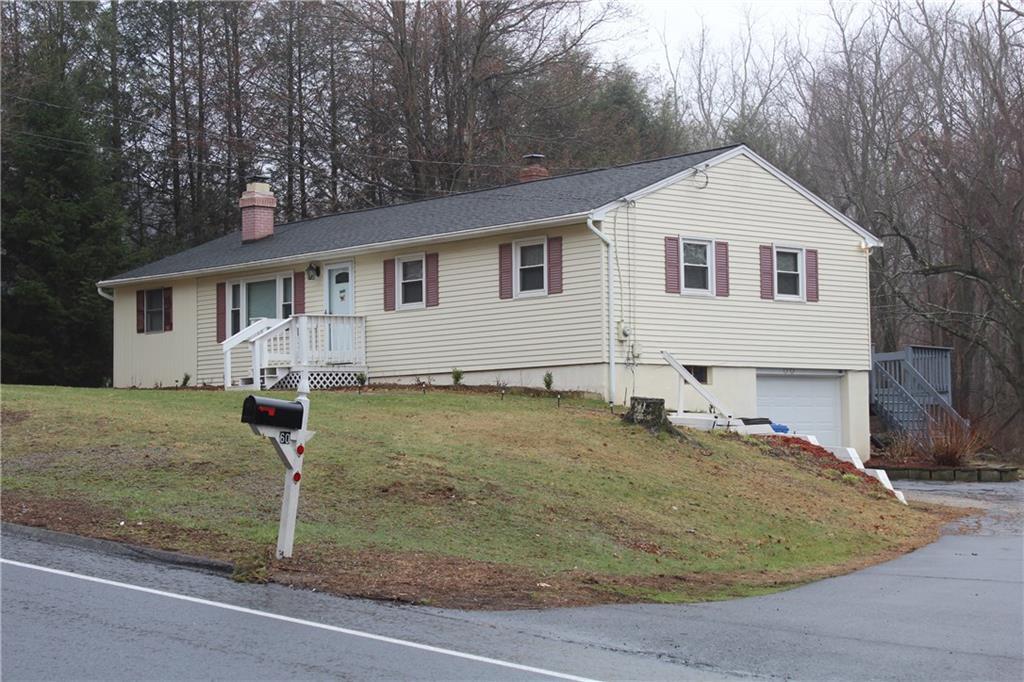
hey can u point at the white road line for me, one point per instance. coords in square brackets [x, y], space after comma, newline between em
[312, 624]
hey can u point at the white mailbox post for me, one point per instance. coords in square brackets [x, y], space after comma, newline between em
[284, 423]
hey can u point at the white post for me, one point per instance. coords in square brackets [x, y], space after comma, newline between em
[227, 369]
[291, 454]
[680, 385]
[303, 346]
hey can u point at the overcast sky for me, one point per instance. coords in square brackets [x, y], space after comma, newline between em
[637, 39]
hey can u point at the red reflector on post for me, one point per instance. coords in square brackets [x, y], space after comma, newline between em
[300, 448]
[297, 477]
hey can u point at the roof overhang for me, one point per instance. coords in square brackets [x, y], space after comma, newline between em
[870, 240]
[556, 221]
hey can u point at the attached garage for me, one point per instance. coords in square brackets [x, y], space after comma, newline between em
[808, 403]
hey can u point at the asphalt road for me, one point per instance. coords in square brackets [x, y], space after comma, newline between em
[951, 611]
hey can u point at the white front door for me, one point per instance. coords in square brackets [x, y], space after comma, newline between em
[806, 403]
[339, 302]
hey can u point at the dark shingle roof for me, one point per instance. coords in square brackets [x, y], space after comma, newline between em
[557, 196]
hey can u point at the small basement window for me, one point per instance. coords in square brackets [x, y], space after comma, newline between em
[154, 311]
[699, 372]
[789, 273]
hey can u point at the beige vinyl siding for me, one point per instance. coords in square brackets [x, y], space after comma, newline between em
[156, 358]
[746, 206]
[473, 328]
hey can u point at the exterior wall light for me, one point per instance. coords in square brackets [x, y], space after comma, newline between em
[312, 271]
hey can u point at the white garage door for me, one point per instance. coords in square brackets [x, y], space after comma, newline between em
[805, 403]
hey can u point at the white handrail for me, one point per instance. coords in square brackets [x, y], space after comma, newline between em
[692, 380]
[227, 345]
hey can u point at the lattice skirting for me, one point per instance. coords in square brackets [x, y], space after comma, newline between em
[320, 380]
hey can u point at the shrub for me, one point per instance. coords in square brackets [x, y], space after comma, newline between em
[456, 376]
[952, 443]
[185, 379]
[549, 380]
[361, 378]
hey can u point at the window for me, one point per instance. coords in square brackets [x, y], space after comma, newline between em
[789, 273]
[261, 300]
[154, 311]
[699, 372]
[530, 269]
[248, 301]
[286, 297]
[696, 264]
[410, 281]
[236, 308]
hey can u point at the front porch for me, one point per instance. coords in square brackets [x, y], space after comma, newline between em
[270, 353]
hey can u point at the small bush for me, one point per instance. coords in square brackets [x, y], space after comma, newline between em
[953, 443]
[361, 378]
[185, 379]
[549, 380]
[456, 376]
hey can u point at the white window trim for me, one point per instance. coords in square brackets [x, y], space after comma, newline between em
[399, 304]
[801, 264]
[325, 270]
[683, 289]
[516, 245]
[243, 316]
[145, 312]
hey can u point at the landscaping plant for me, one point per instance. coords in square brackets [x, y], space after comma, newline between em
[549, 380]
[456, 376]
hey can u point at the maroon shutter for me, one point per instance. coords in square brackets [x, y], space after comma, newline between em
[554, 265]
[140, 312]
[721, 268]
[168, 310]
[298, 292]
[222, 312]
[505, 271]
[389, 284]
[811, 256]
[767, 272]
[671, 265]
[432, 293]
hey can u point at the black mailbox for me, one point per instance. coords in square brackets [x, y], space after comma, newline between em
[272, 412]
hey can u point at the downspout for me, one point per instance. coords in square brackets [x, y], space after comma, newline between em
[104, 294]
[609, 248]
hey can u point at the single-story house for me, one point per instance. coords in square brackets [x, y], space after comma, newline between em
[755, 285]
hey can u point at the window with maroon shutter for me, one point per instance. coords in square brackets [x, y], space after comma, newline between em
[168, 310]
[299, 292]
[389, 284]
[721, 268]
[767, 271]
[671, 265]
[505, 270]
[811, 256]
[433, 297]
[789, 274]
[222, 312]
[554, 265]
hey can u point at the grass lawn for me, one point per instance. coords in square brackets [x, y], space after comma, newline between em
[450, 498]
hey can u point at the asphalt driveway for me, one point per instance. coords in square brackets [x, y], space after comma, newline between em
[951, 611]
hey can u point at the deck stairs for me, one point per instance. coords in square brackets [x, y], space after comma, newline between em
[272, 353]
[911, 390]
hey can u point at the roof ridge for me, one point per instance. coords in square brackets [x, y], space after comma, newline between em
[510, 184]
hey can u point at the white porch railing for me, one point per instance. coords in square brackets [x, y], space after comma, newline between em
[686, 378]
[299, 342]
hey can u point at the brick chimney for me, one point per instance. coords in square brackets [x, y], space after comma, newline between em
[533, 168]
[257, 204]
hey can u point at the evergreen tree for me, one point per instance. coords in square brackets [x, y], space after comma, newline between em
[63, 230]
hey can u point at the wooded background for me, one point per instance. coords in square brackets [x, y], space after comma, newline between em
[129, 130]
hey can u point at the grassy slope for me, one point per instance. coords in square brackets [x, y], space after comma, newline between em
[405, 494]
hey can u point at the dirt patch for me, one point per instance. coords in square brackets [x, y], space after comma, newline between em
[80, 517]
[12, 417]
